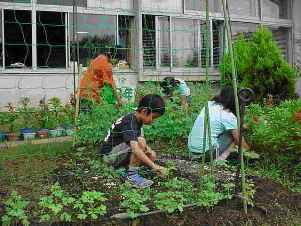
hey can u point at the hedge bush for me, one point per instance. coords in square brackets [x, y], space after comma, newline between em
[174, 125]
[261, 66]
[275, 130]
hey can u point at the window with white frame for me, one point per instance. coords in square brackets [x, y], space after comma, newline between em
[217, 41]
[278, 9]
[280, 34]
[149, 40]
[96, 35]
[184, 43]
[215, 44]
[81, 3]
[164, 41]
[18, 38]
[205, 39]
[124, 53]
[51, 39]
[281, 37]
[241, 28]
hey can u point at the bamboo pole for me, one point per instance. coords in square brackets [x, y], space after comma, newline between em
[207, 129]
[76, 92]
[234, 82]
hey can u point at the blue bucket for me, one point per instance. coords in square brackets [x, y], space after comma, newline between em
[26, 130]
[2, 136]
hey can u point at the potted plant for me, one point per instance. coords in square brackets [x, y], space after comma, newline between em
[52, 124]
[67, 120]
[27, 113]
[12, 122]
[3, 117]
[42, 116]
[2, 136]
[55, 110]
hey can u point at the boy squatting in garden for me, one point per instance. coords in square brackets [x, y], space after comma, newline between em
[170, 84]
[125, 145]
[223, 125]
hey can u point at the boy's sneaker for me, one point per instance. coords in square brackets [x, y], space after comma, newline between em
[138, 181]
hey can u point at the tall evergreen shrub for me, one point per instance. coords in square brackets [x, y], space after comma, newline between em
[261, 66]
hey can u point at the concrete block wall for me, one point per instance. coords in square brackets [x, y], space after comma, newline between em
[34, 86]
[37, 86]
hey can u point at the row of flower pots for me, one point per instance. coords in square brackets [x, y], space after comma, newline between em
[30, 134]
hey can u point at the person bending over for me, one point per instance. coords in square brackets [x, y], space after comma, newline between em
[223, 125]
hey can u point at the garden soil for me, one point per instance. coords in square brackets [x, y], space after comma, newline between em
[274, 205]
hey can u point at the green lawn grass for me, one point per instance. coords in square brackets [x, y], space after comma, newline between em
[50, 150]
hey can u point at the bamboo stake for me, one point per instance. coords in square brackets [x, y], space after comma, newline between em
[76, 93]
[207, 128]
[234, 82]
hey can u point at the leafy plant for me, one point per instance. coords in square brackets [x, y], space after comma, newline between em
[171, 168]
[176, 123]
[43, 113]
[15, 210]
[12, 118]
[55, 104]
[170, 201]
[249, 192]
[228, 190]
[27, 113]
[99, 168]
[207, 196]
[107, 95]
[93, 127]
[90, 205]
[55, 206]
[274, 130]
[181, 185]
[50, 120]
[260, 66]
[134, 200]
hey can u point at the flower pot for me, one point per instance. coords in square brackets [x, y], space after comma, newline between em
[69, 131]
[26, 130]
[12, 136]
[29, 136]
[60, 131]
[43, 133]
[53, 133]
[27, 133]
[2, 136]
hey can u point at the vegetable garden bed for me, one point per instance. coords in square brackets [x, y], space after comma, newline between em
[80, 171]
